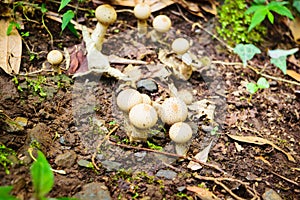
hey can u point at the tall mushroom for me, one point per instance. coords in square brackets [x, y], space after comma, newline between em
[161, 25]
[105, 15]
[142, 11]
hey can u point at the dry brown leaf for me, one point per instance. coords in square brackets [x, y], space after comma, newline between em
[260, 141]
[202, 193]
[294, 26]
[293, 74]
[293, 60]
[11, 49]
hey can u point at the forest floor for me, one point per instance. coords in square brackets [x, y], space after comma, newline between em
[75, 122]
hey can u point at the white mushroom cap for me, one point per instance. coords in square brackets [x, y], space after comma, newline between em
[180, 132]
[106, 14]
[146, 99]
[128, 98]
[173, 110]
[54, 57]
[180, 46]
[162, 23]
[142, 11]
[185, 96]
[143, 116]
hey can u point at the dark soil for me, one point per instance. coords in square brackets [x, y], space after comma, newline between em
[77, 113]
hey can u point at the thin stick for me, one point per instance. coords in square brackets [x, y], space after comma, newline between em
[169, 154]
[100, 143]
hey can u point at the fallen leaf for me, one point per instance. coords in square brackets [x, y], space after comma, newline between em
[201, 156]
[293, 74]
[11, 49]
[202, 108]
[202, 193]
[293, 60]
[260, 141]
[294, 26]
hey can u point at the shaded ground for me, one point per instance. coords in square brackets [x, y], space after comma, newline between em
[76, 114]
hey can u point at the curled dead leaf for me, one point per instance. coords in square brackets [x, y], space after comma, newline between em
[203, 193]
[294, 26]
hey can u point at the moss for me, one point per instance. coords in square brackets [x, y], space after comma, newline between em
[234, 24]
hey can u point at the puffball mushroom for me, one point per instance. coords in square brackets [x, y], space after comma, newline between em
[180, 132]
[105, 15]
[173, 110]
[143, 116]
[142, 11]
[161, 25]
[55, 57]
[128, 98]
[146, 99]
[180, 46]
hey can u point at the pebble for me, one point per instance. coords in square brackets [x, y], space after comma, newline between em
[66, 160]
[111, 165]
[92, 191]
[147, 85]
[270, 194]
[168, 174]
[140, 155]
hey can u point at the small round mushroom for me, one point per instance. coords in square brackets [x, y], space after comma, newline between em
[105, 15]
[173, 110]
[146, 99]
[142, 11]
[55, 57]
[180, 46]
[143, 116]
[161, 25]
[128, 98]
[180, 132]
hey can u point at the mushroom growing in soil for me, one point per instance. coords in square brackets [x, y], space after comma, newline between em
[128, 98]
[180, 132]
[180, 46]
[161, 25]
[143, 116]
[105, 15]
[142, 11]
[55, 57]
[173, 110]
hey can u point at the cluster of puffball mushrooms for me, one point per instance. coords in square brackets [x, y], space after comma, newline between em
[144, 113]
[106, 15]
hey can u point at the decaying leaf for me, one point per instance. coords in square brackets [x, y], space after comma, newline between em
[180, 69]
[260, 141]
[11, 49]
[202, 193]
[202, 108]
[201, 156]
[294, 26]
[293, 74]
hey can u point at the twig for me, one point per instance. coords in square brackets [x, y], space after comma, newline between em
[169, 154]
[257, 72]
[35, 72]
[219, 180]
[100, 143]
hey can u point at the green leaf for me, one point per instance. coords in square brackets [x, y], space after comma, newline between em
[5, 193]
[246, 52]
[42, 176]
[254, 8]
[282, 10]
[262, 83]
[63, 4]
[271, 17]
[296, 5]
[72, 29]
[10, 27]
[252, 88]
[43, 8]
[281, 52]
[259, 1]
[258, 17]
[280, 63]
[67, 17]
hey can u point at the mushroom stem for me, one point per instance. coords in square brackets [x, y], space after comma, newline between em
[142, 27]
[98, 35]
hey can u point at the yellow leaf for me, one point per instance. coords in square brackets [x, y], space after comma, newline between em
[293, 74]
[11, 49]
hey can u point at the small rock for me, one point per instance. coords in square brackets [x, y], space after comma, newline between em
[140, 155]
[92, 191]
[66, 160]
[111, 165]
[168, 174]
[270, 194]
[146, 86]
[181, 188]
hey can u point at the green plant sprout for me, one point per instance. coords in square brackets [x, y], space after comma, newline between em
[279, 56]
[67, 17]
[154, 146]
[252, 88]
[262, 9]
[246, 52]
[5, 161]
[234, 24]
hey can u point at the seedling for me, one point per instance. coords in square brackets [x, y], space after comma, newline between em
[252, 88]
[246, 52]
[262, 10]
